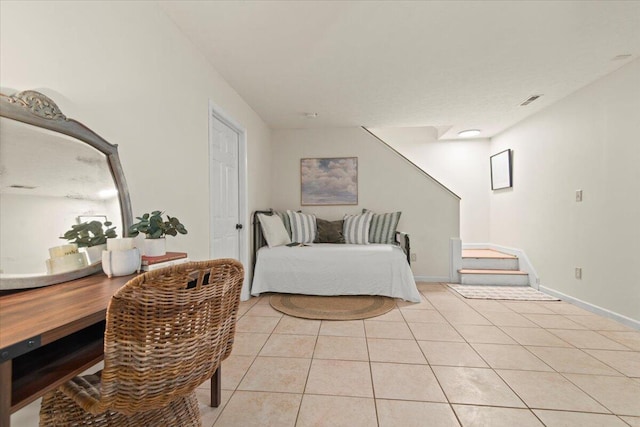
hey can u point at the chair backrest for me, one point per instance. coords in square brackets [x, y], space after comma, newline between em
[167, 332]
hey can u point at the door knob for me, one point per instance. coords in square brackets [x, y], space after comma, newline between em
[238, 226]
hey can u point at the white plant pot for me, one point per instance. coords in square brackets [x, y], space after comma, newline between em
[121, 263]
[155, 247]
[120, 244]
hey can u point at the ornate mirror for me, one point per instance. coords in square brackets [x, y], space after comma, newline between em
[54, 173]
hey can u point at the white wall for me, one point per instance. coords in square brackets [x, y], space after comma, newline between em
[587, 141]
[126, 71]
[386, 183]
[461, 165]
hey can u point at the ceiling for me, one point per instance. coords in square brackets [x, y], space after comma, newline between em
[450, 65]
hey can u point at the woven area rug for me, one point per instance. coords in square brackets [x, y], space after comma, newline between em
[515, 293]
[344, 307]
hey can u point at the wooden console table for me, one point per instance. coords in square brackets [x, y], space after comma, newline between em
[49, 335]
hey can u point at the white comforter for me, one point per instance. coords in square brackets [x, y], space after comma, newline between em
[335, 269]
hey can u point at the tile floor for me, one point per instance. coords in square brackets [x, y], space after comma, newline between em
[447, 361]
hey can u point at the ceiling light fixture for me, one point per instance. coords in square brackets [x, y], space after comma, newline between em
[469, 132]
[311, 115]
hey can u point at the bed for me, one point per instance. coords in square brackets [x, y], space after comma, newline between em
[333, 269]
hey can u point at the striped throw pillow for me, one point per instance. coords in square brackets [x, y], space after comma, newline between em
[356, 228]
[303, 227]
[383, 227]
[285, 220]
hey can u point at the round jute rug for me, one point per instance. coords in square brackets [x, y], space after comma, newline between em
[343, 307]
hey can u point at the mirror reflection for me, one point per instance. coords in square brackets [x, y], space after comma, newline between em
[48, 182]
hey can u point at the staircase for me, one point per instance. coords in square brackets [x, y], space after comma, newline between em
[489, 267]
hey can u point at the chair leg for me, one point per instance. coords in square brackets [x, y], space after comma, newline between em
[216, 387]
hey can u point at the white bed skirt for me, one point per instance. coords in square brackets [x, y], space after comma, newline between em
[335, 269]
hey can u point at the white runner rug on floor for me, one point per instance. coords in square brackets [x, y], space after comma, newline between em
[516, 293]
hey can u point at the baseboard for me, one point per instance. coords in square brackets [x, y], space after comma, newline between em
[444, 279]
[632, 323]
[525, 264]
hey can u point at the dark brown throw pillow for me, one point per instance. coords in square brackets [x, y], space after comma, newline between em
[329, 231]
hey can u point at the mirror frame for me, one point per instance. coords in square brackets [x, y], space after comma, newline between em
[38, 110]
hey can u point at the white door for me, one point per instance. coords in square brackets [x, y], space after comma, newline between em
[224, 178]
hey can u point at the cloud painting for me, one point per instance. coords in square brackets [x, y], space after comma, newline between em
[329, 181]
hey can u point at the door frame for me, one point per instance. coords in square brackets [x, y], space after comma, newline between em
[243, 201]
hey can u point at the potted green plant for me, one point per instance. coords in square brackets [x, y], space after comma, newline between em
[92, 236]
[155, 228]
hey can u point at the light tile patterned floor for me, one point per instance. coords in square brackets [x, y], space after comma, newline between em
[447, 361]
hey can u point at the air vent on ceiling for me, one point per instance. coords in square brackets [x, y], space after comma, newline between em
[530, 100]
[621, 57]
[24, 187]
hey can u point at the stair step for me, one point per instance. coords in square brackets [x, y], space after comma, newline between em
[479, 259]
[489, 277]
[486, 253]
[488, 271]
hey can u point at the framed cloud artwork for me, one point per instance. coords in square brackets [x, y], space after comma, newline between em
[329, 181]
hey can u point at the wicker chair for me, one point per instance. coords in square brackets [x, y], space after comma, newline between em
[167, 332]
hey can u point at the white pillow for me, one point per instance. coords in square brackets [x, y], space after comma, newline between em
[273, 230]
[356, 228]
[303, 227]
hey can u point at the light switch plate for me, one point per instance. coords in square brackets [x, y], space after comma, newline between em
[578, 195]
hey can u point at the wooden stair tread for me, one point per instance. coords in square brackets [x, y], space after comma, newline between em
[486, 253]
[468, 271]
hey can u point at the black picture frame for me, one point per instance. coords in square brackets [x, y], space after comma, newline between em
[501, 170]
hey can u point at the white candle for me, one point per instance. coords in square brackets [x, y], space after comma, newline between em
[60, 251]
[66, 263]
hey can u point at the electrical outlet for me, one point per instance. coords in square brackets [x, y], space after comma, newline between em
[414, 257]
[578, 273]
[578, 195]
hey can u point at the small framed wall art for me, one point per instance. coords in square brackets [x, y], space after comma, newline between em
[329, 181]
[501, 170]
